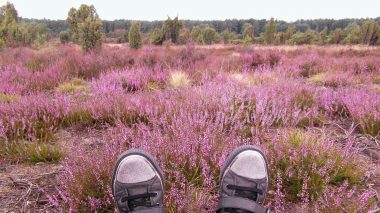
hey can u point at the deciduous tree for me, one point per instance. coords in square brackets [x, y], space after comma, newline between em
[353, 34]
[370, 32]
[90, 34]
[86, 27]
[209, 35]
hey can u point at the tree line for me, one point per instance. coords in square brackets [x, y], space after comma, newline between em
[234, 25]
[84, 26]
[175, 31]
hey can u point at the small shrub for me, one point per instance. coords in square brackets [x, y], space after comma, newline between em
[179, 79]
[273, 58]
[364, 107]
[86, 181]
[64, 36]
[38, 62]
[308, 164]
[189, 56]
[308, 69]
[32, 118]
[304, 99]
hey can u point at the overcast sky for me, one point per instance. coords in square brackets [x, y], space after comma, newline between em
[288, 10]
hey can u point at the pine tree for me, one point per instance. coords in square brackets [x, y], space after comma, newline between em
[135, 40]
[171, 29]
[324, 36]
[270, 31]
[248, 33]
[289, 33]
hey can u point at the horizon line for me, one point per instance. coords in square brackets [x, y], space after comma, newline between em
[227, 19]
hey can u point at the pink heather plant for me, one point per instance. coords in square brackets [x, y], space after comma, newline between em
[33, 117]
[191, 130]
[191, 133]
[364, 107]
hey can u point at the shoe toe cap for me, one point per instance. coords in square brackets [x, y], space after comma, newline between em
[250, 164]
[135, 169]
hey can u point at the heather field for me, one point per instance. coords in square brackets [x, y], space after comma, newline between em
[65, 116]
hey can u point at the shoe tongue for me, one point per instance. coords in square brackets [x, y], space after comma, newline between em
[137, 190]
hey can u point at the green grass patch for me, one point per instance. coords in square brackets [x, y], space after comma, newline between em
[31, 152]
[7, 98]
[75, 85]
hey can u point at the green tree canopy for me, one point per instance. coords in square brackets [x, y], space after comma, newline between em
[353, 34]
[86, 27]
[337, 36]
[228, 36]
[64, 36]
[8, 14]
[209, 35]
[370, 32]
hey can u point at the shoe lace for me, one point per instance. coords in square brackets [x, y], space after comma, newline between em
[244, 192]
[139, 200]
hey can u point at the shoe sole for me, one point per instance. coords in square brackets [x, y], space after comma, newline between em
[233, 155]
[142, 153]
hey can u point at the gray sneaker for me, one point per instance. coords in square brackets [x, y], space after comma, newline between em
[138, 183]
[244, 181]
